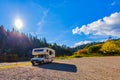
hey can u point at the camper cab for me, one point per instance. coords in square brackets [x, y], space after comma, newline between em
[42, 55]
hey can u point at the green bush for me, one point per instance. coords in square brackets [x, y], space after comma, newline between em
[94, 49]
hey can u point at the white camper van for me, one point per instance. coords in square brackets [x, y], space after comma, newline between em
[42, 55]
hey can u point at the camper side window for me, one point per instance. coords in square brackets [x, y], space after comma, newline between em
[50, 52]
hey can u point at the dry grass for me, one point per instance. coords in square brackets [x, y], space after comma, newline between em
[17, 64]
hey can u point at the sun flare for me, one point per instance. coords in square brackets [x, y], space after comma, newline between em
[18, 23]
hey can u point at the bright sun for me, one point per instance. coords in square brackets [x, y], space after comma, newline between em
[18, 23]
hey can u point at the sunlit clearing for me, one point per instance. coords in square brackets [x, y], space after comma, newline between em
[18, 23]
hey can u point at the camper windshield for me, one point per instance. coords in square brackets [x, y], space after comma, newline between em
[39, 50]
[41, 56]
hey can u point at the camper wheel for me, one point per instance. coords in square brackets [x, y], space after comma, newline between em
[33, 63]
[51, 61]
[42, 62]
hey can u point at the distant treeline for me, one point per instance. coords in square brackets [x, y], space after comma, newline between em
[16, 46]
[74, 49]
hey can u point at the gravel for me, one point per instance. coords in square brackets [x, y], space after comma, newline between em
[102, 68]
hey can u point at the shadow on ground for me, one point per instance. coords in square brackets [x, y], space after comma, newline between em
[60, 67]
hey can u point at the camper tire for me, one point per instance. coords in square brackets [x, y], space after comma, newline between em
[51, 61]
[42, 62]
[33, 63]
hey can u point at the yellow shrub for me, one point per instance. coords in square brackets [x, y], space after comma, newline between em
[110, 47]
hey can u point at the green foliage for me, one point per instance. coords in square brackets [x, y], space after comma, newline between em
[76, 56]
[61, 50]
[91, 55]
[63, 57]
[94, 49]
[85, 46]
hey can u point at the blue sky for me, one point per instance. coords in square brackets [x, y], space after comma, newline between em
[69, 22]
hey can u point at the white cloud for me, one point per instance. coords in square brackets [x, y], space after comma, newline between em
[108, 26]
[86, 42]
[81, 43]
[41, 22]
[43, 18]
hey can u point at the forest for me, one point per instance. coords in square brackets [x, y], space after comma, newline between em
[17, 46]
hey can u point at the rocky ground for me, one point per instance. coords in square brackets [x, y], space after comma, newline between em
[100, 68]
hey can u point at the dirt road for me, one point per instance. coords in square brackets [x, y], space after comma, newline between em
[103, 68]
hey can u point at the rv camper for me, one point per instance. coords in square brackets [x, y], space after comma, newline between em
[42, 55]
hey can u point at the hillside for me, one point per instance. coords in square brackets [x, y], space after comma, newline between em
[107, 48]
